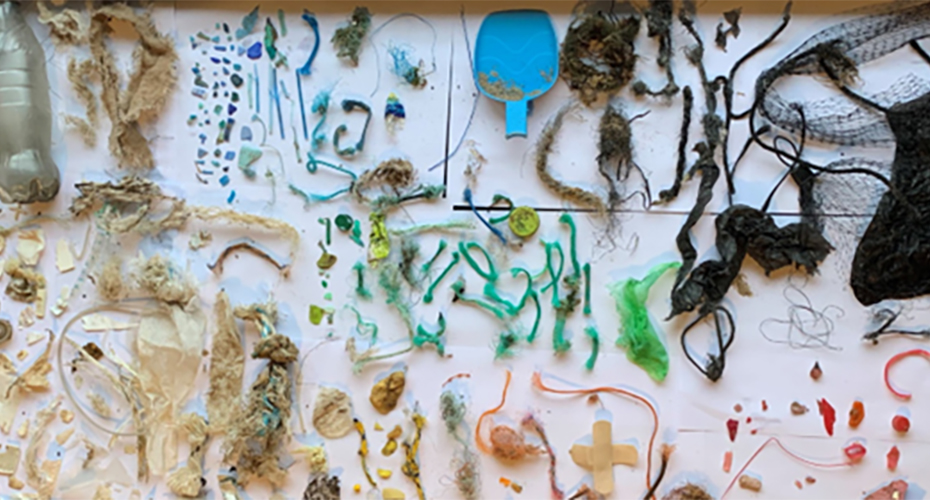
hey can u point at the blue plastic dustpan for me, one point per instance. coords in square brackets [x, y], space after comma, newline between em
[516, 60]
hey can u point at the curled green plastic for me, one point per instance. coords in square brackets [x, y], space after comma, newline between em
[638, 336]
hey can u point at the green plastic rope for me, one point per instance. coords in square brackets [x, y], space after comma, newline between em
[459, 289]
[425, 337]
[587, 289]
[360, 288]
[591, 332]
[499, 198]
[363, 326]
[573, 248]
[532, 336]
[428, 297]
[491, 274]
[555, 276]
[424, 269]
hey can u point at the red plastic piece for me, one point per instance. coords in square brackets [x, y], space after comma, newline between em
[732, 427]
[894, 454]
[901, 424]
[828, 413]
[898, 357]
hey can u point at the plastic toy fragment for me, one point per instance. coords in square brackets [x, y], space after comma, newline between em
[394, 114]
[901, 424]
[248, 24]
[892, 458]
[856, 414]
[828, 413]
[602, 455]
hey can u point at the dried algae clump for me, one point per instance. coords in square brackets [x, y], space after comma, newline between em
[598, 53]
[332, 413]
[188, 481]
[348, 39]
[257, 439]
[386, 393]
[41, 475]
[227, 364]
[26, 284]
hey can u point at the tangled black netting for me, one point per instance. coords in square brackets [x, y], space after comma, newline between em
[892, 258]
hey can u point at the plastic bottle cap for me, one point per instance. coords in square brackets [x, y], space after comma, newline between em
[524, 221]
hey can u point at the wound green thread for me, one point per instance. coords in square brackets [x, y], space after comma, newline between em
[360, 288]
[459, 289]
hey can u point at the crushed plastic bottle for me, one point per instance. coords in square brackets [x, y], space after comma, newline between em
[27, 172]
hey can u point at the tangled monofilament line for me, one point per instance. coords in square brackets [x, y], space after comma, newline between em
[815, 327]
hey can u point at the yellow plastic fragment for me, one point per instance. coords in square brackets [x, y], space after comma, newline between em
[23, 430]
[66, 415]
[64, 436]
[378, 426]
[15, 484]
[392, 494]
[357, 488]
[379, 245]
[384, 473]
[9, 460]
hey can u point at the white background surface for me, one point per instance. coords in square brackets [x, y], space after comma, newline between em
[692, 410]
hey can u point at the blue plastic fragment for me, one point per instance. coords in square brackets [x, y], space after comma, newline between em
[215, 60]
[226, 60]
[201, 152]
[202, 137]
[230, 156]
[248, 24]
[240, 50]
[224, 180]
[225, 72]
[245, 134]
[231, 109]
[232, 196]
[255, 51]
[200, 162]
[220, 48]
[199, 92]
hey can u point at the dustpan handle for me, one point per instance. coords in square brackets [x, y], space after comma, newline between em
[516, 118]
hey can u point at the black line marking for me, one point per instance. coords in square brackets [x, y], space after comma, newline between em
[485, 208]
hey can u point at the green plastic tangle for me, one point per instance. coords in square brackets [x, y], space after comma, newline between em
[638, 336]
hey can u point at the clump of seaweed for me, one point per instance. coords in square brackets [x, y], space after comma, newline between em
[598, 53]
[348, 39]
[659, 18]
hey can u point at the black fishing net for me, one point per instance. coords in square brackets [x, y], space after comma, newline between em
[892, 256]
